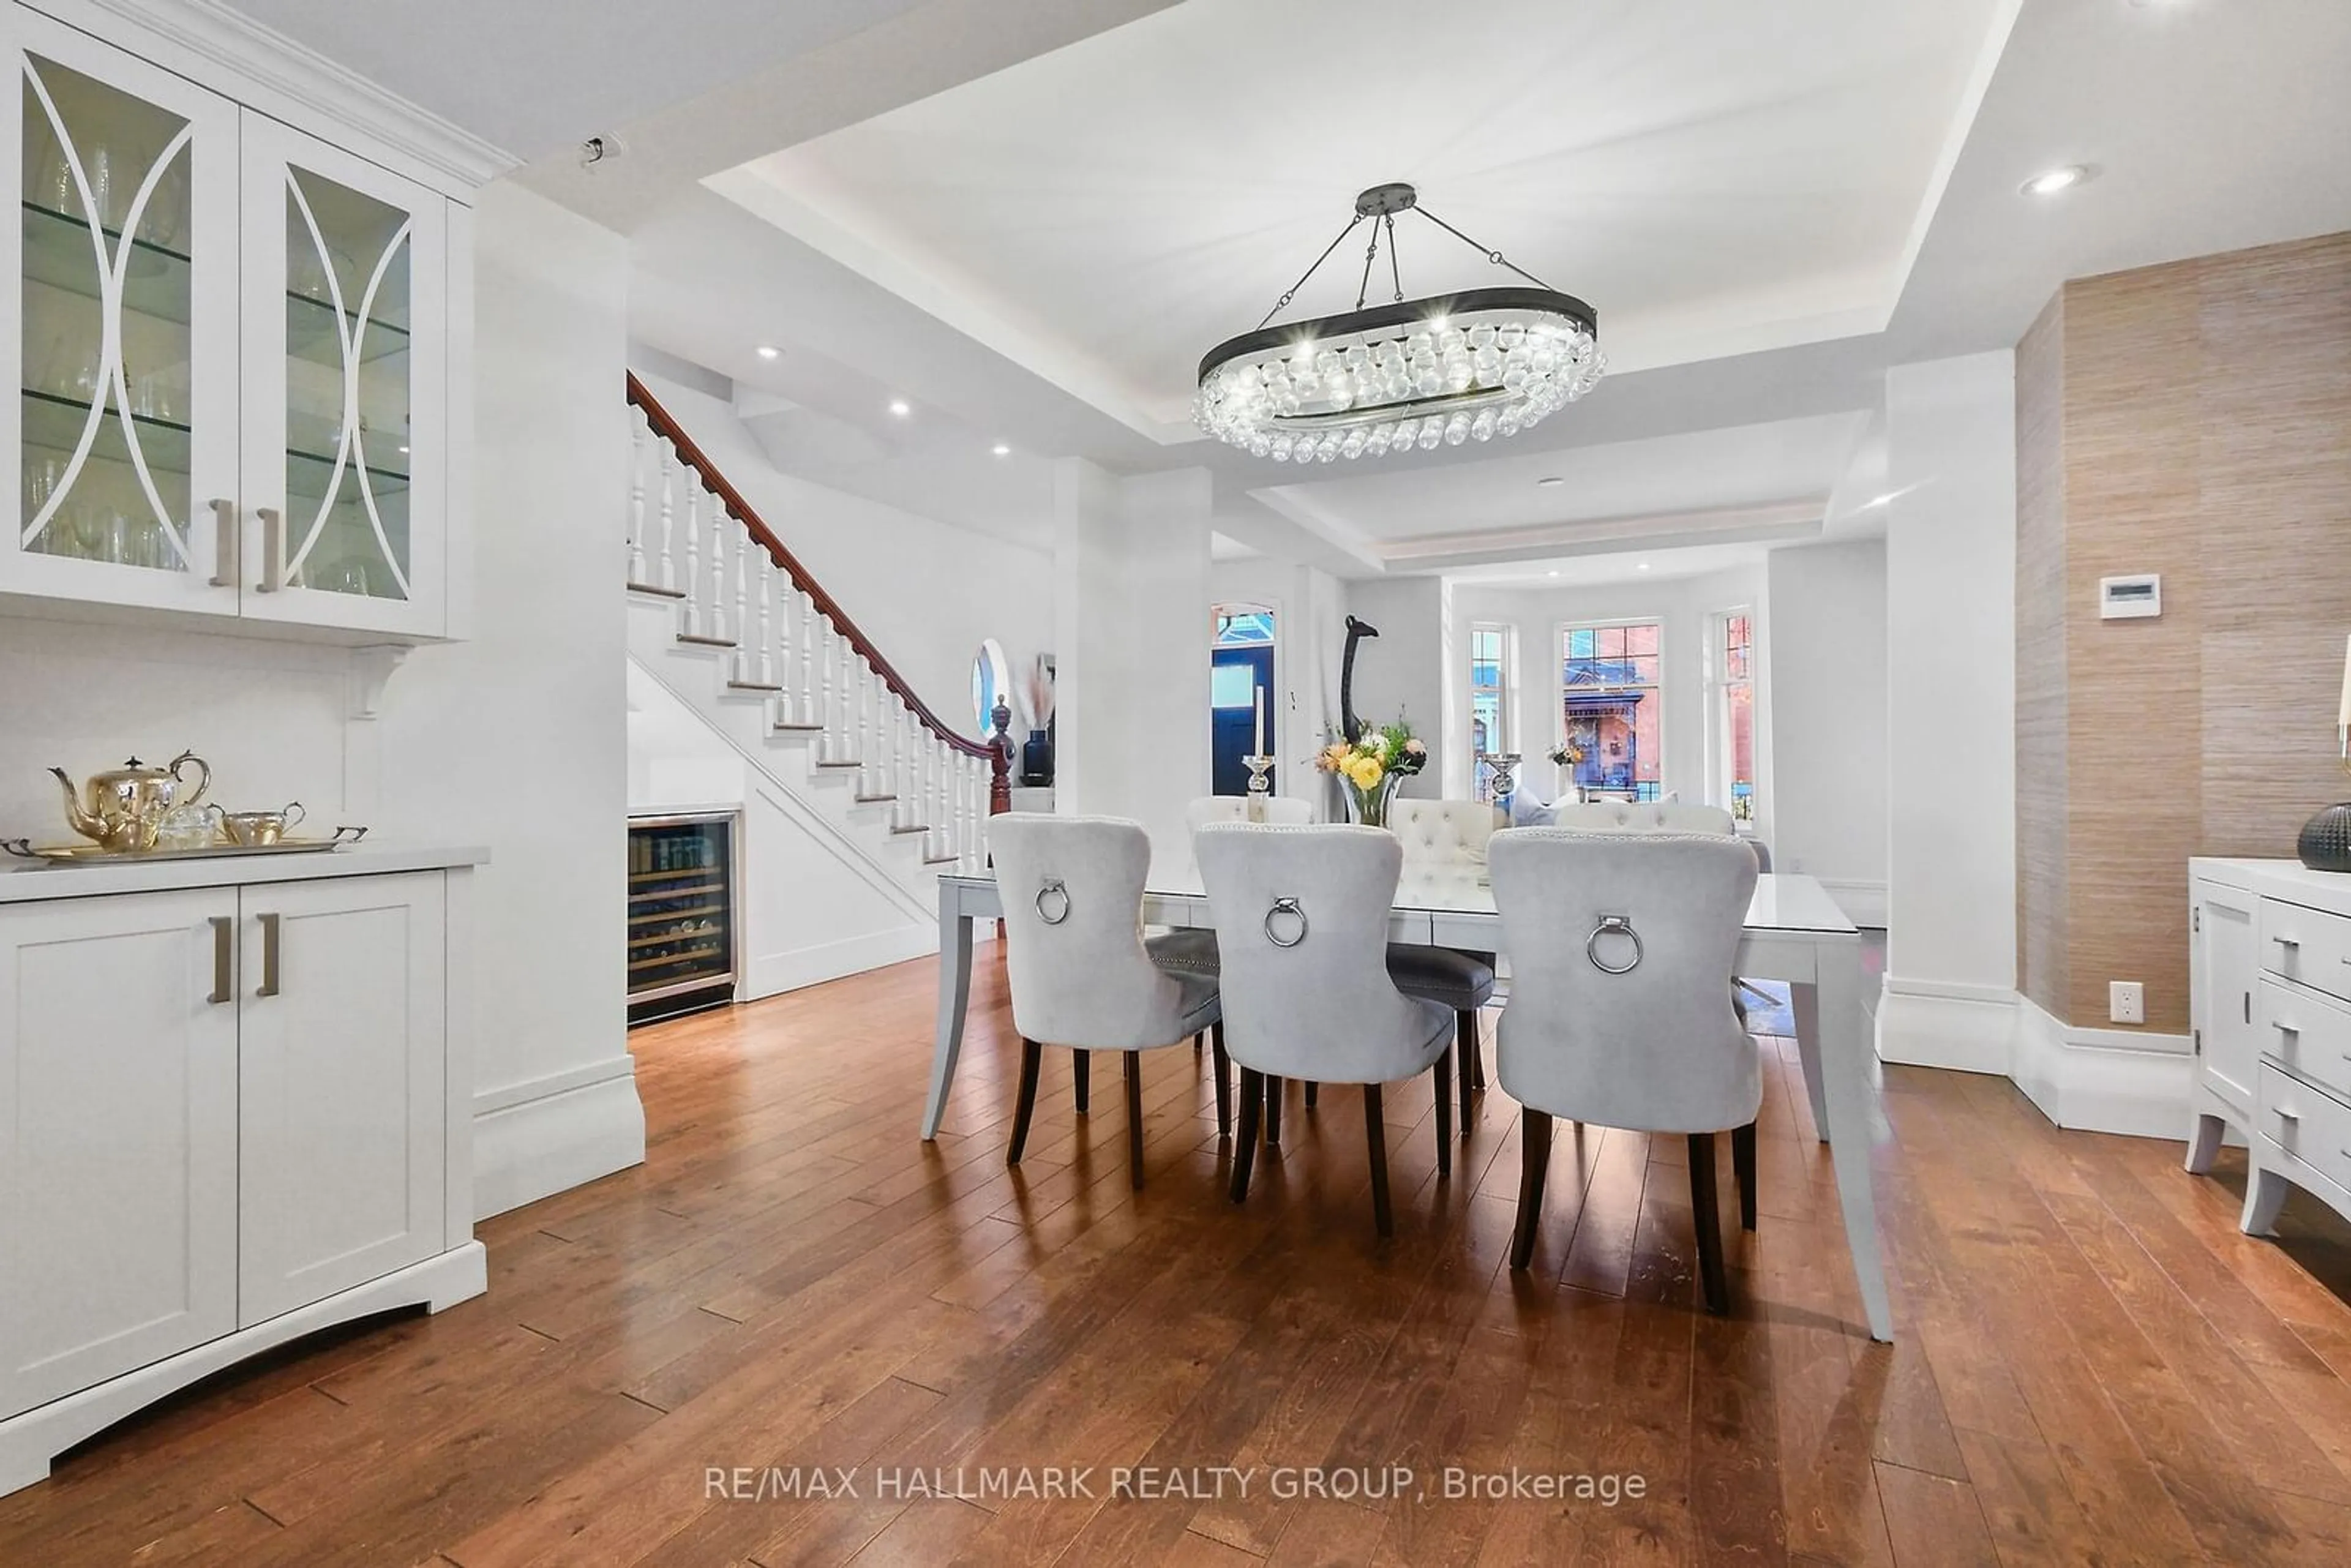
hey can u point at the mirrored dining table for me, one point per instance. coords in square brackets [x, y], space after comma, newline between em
[1794, 931]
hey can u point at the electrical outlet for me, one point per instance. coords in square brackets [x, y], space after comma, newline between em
[2126, 1001]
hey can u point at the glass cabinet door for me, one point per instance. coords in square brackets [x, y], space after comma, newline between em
[122, 327]
[345, 463]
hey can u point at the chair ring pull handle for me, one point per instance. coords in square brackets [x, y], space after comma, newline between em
[1053, 889]
[1612, 926]
[1285, 906]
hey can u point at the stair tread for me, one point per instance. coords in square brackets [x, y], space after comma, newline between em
[940, 860]
[873, 800]
[918, 828]
[801, 728]
[656, 592]
[840, 765]
[753, 686]
[699, 640]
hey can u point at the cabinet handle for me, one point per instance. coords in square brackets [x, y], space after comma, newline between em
[273, 550]
[2287, 941]
[223, 972]
[268, 956]
[2249, 1006]
[225, 544]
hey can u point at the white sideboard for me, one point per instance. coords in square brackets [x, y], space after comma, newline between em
[235, 1107]
[2270, 974]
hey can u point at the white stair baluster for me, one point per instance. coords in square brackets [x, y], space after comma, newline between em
[776, 654]
[744, 662]
[865, 727]
[909, 793]
[641, 438]
[719, 522]
[693, 579]
[759, 663]
[820, 696]
[893, 728]
[666, 571]
[807, 682]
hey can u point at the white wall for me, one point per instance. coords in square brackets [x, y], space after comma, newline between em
[927, 593]
[1402, 670]
[518, 737]
[1683, 608]
[1950, 599]
[1828, 719]
[1130, 593]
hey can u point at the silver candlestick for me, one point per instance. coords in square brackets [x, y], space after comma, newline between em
[1260, 788]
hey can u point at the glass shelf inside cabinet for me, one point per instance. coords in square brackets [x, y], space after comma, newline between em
[54, 423]
[59, 253]
[307, 474]
[312, 333]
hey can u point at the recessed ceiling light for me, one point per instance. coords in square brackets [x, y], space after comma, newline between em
[1550, 479]
[2049, 182]
[1001, 449]
[768, 351]
[1641, 566]
[1554, 572]
[901, 407]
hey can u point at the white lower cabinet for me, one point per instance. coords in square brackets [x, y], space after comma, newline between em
[339, 1087]
[118, 1138]
[228, 1116]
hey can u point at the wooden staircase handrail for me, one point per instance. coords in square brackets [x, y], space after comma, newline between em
[997, 747]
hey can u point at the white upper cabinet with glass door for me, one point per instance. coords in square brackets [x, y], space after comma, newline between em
[235, 346]
[346, 460]
[121, 325]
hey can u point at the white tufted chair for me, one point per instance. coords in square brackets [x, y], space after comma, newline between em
[1641, 816]
[1288, 810]
[1443, 841]
[1074, 955]
[1621, 947]
[1302, 922]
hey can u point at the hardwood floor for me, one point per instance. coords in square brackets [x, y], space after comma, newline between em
[2091, 1366]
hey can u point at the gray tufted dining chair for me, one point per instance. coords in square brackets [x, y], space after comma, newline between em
[1621, 947]
[1302, 920]
[1074, 957]
[1641, 816]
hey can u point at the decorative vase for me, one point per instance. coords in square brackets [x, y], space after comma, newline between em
[1037, 759]
[2325, 841]
[1371, 805]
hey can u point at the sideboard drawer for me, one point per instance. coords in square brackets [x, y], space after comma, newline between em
[2310, 1035]
[2312, 1126]
[2308, 946]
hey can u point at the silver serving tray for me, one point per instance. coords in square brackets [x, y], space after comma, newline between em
[94, 854]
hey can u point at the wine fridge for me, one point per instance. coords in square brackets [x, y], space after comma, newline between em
[681, 918]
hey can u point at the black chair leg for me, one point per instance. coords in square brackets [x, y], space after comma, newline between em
[1223, 1067]
[1533, 1164]
[1477, 1053]
[1311, 1087]
[1464, 1054]
[1444, 1077]
[1032, 1056]
[1375, 1136]
[1196, 1044]
[1742, 1165]
[1083, 1062]
[1134, 1118]
[1244, 1136]
[1272, 1112]
[1705, 1213]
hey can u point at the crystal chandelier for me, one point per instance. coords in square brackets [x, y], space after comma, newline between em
[1415, 372]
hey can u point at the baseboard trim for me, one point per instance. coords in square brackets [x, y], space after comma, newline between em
[530, 1149]
[772, 974]
[2104, 1080]
[1938, 1023]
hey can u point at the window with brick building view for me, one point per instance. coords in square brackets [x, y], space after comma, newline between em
[1733, 658]
[1613, 708]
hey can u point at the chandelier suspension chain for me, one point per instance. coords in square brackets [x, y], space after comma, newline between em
[1394, 276]
[1495, 256]
[1371, 253]
[1283, 303]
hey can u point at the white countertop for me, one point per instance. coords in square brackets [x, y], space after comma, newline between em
[26, 882]
[2289, 880]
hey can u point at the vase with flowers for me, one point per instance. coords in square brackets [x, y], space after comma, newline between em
[1372, 765]
[1568, 754]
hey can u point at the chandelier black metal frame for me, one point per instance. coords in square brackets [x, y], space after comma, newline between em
[1466, 366]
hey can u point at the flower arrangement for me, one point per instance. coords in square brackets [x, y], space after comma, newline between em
[1567, 754]
[1373, 764]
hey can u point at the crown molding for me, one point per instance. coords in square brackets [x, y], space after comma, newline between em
[269, 72]
[1776, 520]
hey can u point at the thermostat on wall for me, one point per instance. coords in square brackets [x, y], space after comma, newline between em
[2128, 597]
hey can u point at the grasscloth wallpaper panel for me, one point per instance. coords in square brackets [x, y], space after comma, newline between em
[2202, 430]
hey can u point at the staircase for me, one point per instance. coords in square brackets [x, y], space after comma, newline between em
[724, 617]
